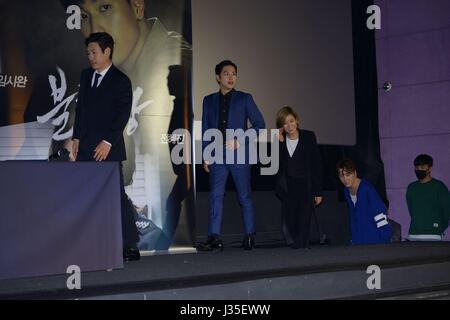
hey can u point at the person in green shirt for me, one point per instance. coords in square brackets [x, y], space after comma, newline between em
[428, 202]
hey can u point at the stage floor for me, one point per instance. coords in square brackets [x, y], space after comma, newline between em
[233, 265]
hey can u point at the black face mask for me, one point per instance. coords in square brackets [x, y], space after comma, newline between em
[421, 174]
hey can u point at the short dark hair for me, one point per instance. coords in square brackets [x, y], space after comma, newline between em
[423, 159]
[347, 165]
[223, 64]
[67, 3]
[103, 39]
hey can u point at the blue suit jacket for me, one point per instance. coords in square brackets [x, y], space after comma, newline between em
[368, 218]
[242, 109]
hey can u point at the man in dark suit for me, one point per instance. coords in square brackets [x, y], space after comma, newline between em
[103, 109]
[224, 110]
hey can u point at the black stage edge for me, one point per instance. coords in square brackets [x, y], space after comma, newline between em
[261, 274]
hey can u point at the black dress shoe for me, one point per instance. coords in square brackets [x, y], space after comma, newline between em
[131, 254]
[213, 243]
[248, 243]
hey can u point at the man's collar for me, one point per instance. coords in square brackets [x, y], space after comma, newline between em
[229, 93]
[102, 74]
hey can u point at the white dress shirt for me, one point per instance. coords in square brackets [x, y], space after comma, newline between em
[291, 145]
[102, 75]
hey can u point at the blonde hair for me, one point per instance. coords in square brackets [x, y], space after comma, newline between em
[283, 113]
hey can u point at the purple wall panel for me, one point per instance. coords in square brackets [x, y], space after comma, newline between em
[413, 53]
[419, 109]
[419, 58]
[384, 116]
[412, 16]
[398, 210]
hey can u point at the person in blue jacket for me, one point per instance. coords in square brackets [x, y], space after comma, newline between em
[368, 214]
[224, 110]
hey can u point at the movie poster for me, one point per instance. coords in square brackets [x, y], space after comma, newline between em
[42, 54]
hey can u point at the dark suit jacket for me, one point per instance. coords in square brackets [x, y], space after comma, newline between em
[305, 163]
[102, 113]
[242, 109]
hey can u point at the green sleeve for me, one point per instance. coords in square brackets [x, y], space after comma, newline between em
[444, 198]
[408, 199]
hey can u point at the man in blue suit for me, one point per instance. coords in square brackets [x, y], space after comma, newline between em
[229, 110]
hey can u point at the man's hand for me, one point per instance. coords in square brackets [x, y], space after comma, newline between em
[75, 146]
[232, 144]
[317, 200]
[102, 151]
[206, 166]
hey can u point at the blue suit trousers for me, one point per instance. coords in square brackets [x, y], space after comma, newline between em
[217, 179]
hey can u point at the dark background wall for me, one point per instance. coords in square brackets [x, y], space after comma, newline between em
[289, 52]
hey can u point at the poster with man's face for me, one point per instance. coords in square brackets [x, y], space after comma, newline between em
[42, 54]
